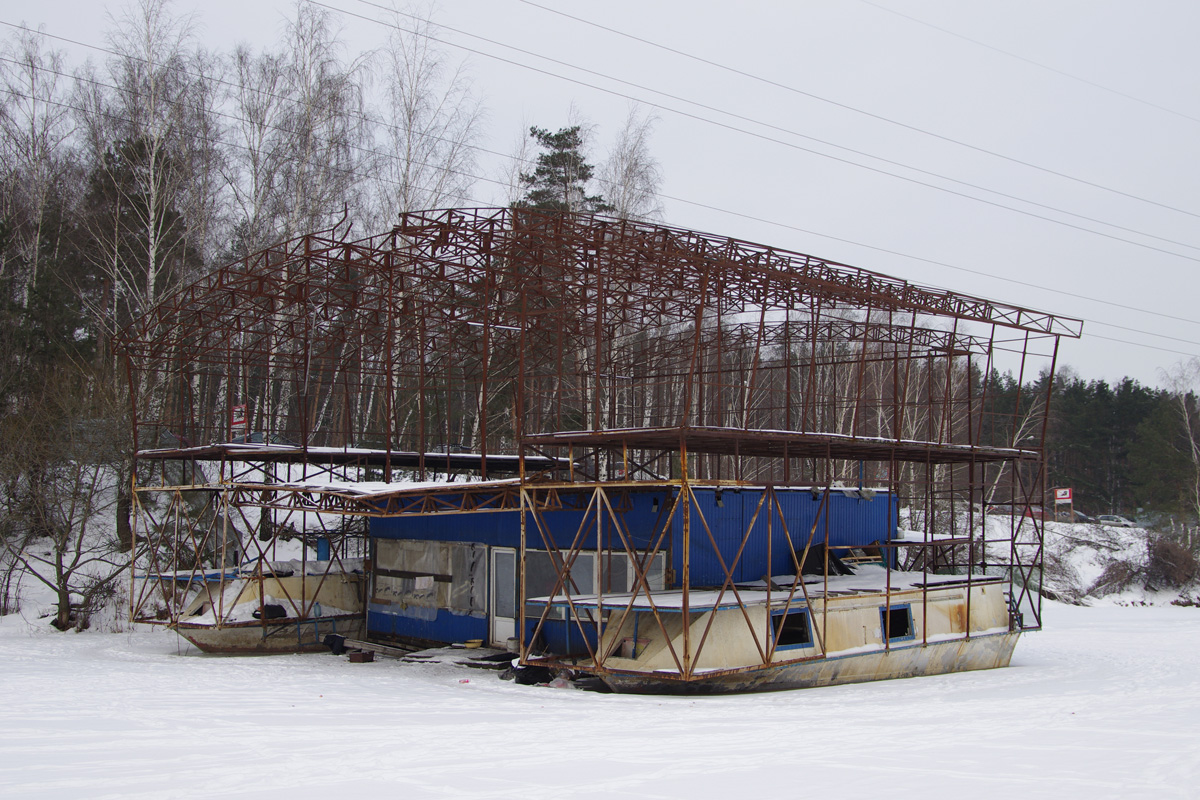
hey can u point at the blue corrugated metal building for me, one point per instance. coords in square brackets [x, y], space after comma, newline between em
[452, 577]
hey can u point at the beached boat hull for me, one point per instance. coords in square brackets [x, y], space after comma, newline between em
[276, 636]
[300, 610]
[936, 658]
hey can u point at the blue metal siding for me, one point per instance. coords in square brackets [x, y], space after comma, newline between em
[496, 528]
[503, 528]
[852, 522]
[445, 627]
[563, 636]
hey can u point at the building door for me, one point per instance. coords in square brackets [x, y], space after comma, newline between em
[503, 595]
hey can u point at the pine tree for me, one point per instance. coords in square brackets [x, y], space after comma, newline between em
[560, 179]
[1159, 458]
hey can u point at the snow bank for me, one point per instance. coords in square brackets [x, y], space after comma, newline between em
[1092, 563]
[1084, 563]
[1103, 703]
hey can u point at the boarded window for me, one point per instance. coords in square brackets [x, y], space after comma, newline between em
[422, 576]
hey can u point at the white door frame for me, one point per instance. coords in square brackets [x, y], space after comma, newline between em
[501, 629]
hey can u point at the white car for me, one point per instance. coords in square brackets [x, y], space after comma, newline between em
[1115, 520]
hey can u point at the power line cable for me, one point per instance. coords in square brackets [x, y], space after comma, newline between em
[936, 263]
[775, 140]
[856, 110]
[355, 174]
[1147, 346]
[391, 126]
[669, 197]
[351, 173]
[1037, 64]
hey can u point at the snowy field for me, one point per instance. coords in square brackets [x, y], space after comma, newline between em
[1104, 703]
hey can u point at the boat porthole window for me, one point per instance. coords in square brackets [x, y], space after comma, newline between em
[897, 622]
[792, 630]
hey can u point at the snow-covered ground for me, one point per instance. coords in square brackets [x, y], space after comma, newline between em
[1103, 703]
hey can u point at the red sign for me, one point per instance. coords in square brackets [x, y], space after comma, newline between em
[238, 417]
[1062, 495]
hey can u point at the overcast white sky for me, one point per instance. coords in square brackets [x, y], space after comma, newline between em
[1106, 92]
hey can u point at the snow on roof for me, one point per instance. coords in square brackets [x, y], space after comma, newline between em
[870, 579]
[385, 489]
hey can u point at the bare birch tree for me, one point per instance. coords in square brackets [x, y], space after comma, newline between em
[257, 149]
[324, 124]
[149, 110]
[631, 177]
[1182, 381]
[430, 121]
[151, 147]
[35, 132]
[203, 193]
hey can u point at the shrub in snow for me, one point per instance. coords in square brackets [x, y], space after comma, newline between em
[1170, 565]
[1117, 577]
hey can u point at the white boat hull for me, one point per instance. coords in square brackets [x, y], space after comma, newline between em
[936, 658]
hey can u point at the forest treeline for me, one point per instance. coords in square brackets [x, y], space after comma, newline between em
[1122, 448]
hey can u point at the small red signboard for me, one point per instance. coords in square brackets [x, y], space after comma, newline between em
[238, 417]
[1062, 495]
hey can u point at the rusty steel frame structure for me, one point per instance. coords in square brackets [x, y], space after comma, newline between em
[586, 358]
